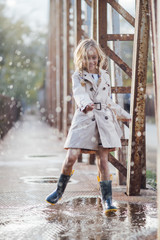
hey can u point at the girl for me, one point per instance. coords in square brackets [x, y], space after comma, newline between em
[94, 126]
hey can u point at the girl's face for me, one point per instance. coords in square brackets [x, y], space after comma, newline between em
[92, 56]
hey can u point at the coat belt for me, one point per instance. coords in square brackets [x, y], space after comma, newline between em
[99, 106]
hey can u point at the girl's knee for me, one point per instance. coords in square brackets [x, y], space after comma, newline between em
[71, 157]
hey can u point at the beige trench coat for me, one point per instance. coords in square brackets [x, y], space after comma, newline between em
[100, 124]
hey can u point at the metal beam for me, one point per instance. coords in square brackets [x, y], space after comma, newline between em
[78, 21]
[51, 66]
[121, 89]
[137, 157]
[59, 63]
[117, 80]
[119, 62]
[120, 37]
[66, 60]
[122, 11]
[78, 36]
[89, 2]
[117, 165]
[102, 24]
[94, 20]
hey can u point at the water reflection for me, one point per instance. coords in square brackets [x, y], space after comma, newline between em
[83, 218]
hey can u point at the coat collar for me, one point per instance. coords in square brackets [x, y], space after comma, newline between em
[87, 76]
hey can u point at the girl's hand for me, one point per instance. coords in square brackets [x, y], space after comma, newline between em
[88, 108]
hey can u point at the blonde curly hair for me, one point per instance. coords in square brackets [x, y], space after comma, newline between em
[80, 55]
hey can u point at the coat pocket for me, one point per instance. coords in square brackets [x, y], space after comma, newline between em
[82, 121]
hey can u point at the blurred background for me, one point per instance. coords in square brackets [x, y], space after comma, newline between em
[23, 50]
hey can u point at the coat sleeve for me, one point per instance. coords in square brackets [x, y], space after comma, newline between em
[80, 95]
[118, 110]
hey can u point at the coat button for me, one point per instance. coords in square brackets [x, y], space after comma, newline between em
[104, 88]
[106, 117]
[93, 119]
[91, 89]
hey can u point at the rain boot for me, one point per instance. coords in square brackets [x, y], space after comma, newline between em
[106, 190]
[57, 194]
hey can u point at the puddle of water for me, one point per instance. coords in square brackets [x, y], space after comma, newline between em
[43, 179]
[84, 219]
[39, 179]
[79, 218]
[41, 156]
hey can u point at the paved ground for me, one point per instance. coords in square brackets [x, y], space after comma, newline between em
[30, 161]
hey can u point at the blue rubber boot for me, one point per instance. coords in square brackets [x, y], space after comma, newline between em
[106, 190]
[57, 194]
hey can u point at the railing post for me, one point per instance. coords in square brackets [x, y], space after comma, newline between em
[59, 63]
[51, 67]
[66, 72]
[116, 73]
[137, 157]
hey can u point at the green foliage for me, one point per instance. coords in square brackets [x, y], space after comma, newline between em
[151, 178]
[22, 59]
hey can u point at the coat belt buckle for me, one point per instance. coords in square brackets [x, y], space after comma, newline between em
[98, 106]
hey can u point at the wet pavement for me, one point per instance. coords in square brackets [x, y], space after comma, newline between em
[30, 163]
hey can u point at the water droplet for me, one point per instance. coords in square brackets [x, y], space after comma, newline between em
[139, 134]
[29, 73]
[68, 98]
[51, 116]
[38, 104]
[144, 172]
[43, 118]
[28, 60]
[18, 64]
[93, 139]
[58, 109]
[42, 110]
[10, 86]
[18, 52]
[70, 116]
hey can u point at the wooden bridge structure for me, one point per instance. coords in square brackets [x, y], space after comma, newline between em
[72, 20]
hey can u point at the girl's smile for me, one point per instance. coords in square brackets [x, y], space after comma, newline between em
[92, 56]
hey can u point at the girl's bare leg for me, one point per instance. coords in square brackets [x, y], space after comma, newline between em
[105, 182]
[71, 157]
[102, 164]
